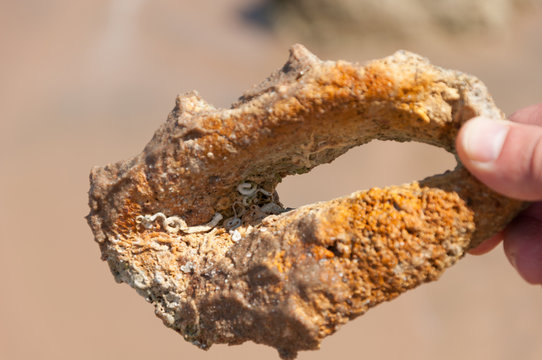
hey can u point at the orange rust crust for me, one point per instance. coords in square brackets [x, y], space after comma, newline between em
[290, 279]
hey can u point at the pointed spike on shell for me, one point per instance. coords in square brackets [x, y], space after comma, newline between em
[301, 55]
[191, 102]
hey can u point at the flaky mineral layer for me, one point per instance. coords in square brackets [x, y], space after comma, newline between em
[194, 224]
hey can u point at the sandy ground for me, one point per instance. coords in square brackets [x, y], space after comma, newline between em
[86, 83]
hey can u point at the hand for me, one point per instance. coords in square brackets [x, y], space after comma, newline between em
[507, 157]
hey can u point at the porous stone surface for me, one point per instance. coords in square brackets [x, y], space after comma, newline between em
[194, 224]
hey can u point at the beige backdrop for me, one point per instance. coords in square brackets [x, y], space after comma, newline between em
[86, 83]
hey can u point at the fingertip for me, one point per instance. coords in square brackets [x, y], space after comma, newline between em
[523, 248]
[505, 156]
[487, 245]
[481, 140]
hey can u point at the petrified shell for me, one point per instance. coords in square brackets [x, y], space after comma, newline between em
[194, 224]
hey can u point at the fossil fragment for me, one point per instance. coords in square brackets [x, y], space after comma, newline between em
[194, 224]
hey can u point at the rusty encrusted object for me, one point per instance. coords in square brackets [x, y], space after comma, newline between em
[194, 224]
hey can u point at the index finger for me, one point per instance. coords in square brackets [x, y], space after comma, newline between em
[529, 115]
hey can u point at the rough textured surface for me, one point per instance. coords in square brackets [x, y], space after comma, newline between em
[194, 225]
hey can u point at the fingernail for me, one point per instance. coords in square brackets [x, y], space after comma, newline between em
[484, 138]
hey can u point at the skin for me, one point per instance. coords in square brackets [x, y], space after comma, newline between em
[507, 157]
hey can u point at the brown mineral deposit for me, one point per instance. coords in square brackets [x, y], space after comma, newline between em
[195, 225]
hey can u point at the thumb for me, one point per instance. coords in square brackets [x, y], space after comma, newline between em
[505, 155]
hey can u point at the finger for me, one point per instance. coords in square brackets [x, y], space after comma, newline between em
[523, 247]
[504, 155]
[487, 245]
[530, 115]
[533, 211]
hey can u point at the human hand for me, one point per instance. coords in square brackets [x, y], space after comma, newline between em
[507, 157]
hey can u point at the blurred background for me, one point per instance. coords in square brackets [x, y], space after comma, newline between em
[86, 83]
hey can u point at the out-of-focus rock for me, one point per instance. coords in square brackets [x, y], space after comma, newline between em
[326, 19]
[194, 224]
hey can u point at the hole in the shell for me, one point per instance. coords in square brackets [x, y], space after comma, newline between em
[377, 164]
